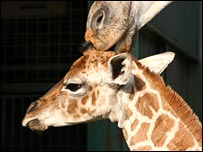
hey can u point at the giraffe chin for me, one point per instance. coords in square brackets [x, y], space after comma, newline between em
[36, 125]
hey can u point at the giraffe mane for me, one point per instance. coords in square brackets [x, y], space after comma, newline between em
[176, 102]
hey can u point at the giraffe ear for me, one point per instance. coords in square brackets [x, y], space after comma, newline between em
[147, 10]
[158, 63]
[120, 68]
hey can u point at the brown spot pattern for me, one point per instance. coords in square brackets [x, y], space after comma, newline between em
[146, 102]
[90, 88]
[180, 108]
[129, 112]
[139, 84]
[163, 124]
[97, 92]
[84, 100]
[134, 124]
[144, 148]
[182, 139]
[93, 99]
[83, 111]
[72, 107]
[131, 96]
[141, 134]
[125, 134]
[167, 107]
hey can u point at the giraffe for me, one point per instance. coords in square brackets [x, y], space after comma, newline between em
[112, 25]
[118, 87]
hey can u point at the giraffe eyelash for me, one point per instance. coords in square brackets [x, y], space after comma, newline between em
[75, 88]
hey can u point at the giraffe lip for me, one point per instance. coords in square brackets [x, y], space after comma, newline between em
[36, 125]
[112, 48]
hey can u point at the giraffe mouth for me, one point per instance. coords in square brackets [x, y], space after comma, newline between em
[113, 47]
[37, 125]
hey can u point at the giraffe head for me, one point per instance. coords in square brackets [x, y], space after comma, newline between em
[90, 90]
[114, 23]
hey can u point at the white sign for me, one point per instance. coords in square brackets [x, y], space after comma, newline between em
[30, 9]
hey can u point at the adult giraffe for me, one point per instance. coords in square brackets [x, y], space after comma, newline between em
[115, 23]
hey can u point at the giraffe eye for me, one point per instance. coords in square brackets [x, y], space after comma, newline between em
[73, 86]
[76, 89]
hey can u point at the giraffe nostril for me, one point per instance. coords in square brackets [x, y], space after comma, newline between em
[32, 106]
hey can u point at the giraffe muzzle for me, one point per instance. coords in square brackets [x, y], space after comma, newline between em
[37, 125]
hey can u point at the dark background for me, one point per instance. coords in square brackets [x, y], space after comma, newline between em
[39, 42]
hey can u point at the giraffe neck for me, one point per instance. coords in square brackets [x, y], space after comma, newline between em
[155, 117]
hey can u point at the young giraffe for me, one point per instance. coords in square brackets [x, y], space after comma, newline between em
[118, 87]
